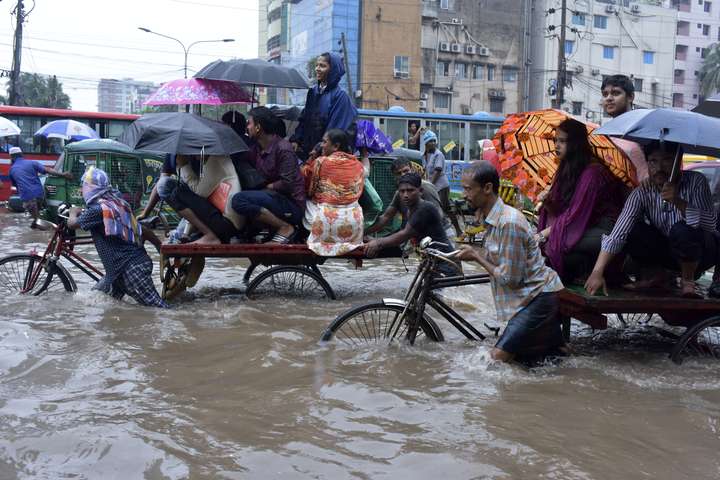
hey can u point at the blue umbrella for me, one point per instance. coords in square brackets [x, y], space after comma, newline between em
[696, 133]
[67, 130]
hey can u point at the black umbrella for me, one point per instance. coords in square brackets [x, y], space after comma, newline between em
[709, 106]
[253, 72]
[183, 134]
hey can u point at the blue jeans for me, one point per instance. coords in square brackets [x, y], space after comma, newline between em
[250, 202]
[534, 329]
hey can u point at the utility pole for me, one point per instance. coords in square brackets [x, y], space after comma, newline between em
[562, 65]
[17, 52]
[347, 67]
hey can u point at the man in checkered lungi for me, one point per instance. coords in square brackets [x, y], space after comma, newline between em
[118, 239]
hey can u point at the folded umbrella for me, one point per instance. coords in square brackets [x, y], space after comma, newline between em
[182, 134]
[66, 130]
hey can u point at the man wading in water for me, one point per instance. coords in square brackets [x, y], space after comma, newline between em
[524, 288]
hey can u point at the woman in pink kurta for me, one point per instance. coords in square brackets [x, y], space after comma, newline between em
[584, 201]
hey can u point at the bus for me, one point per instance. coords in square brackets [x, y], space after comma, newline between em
[458, 135]
[30, 119]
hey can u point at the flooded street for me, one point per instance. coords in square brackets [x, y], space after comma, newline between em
[223, 387]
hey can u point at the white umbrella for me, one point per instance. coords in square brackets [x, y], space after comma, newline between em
[8, 128]
[67, 130]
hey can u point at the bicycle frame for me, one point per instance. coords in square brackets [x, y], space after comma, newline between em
[422, 292]
[62, 246]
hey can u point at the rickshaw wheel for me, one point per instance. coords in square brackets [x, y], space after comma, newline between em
[699, 341]
[177, 274]
[291, 281]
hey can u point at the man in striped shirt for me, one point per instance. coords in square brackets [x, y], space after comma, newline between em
[524, 288]
[681, 234]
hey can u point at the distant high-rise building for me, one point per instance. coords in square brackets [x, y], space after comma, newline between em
[123, 96]
[262, 28]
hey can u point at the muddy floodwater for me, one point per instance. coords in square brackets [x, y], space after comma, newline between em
[223, 387]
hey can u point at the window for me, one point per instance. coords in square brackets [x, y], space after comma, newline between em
[491, 72]
[678, 100]
[708, 6]
[578, 19]
[445, 4]
[608, 52]
[441, 100]
[683, 28]
[496, 105]
[703, 52]
[679, 77]
[442, 69]
[402, 66]
[460, 70]
[509, 74]
[648, 57]
[478, 71]
[681, 52]
[569, 46]
[706, 30]
[600, 21]
[577, 108]
[638, 83]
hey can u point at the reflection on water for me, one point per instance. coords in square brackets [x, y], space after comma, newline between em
[222, 387]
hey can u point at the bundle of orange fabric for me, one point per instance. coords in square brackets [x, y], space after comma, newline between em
[336, 180]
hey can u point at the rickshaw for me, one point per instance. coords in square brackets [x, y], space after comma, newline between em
[133, 173]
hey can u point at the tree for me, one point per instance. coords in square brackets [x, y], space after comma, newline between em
[41, 91]
[710, 71]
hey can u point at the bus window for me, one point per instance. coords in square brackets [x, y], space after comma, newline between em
[114, 128]
[28, 126]
[396, 129]
[451, 138]
[478, 131]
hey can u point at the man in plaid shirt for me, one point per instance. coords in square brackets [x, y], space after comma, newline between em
[524, 288]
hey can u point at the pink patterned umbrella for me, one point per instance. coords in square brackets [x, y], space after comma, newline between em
[194, 91]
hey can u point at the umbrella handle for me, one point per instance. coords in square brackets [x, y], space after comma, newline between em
[677, 162]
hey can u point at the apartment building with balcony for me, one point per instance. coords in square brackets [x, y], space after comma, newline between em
[698, 27]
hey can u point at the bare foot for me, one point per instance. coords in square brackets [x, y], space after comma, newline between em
[207, 239]
[659, 281]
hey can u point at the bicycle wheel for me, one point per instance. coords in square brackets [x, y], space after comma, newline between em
[700, 341]
[290, 281]
[16, 273]
[377, 323]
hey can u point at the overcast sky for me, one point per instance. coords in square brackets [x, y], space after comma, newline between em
[82, 41]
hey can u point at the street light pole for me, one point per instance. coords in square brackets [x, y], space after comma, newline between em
[186, 50]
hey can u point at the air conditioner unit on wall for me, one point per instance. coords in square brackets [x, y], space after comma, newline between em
[456, 21]
[484, 51]
[635, 8]
[609, 9]
[422, 103]
[444, 46]
[401, 74]
[455, 48]
[595, 72]
[470, 49]
[423, 96]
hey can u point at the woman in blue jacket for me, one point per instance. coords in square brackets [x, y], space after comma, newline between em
[327, 106]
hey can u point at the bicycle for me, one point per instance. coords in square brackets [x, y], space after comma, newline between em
[391, 319]
[34, 274]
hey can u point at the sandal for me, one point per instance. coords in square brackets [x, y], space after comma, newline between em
[282, 239]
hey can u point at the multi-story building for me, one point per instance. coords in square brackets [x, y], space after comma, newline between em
[123, 96]
[317, 26]
[698, 26]
[262, 28]
[473, 55]
[604, 37]
[391, 57]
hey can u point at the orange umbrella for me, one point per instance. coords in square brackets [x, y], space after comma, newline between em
[526, 146]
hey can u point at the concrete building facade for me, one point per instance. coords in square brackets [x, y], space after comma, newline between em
[698, 27]
[391, 56]
[262, 28]
[605, 37]
[474, 55]
[123, 96]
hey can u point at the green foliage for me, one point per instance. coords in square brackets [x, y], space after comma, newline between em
[40, 91]
[710, 71]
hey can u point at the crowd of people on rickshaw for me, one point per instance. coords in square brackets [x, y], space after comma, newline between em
[308, 188]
